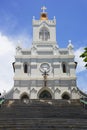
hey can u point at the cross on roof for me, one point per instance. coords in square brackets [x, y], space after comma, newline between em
[43, 8]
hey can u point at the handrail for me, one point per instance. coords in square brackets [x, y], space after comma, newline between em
[84, 94]
[1, 101]
[83, 101]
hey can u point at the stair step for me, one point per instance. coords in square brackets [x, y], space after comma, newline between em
[43, 115]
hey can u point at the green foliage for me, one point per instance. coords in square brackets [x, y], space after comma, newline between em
[84, 56]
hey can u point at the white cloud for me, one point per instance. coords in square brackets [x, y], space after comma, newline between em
[79, 60]
[5, 45]
[25, 40]
[7, 51]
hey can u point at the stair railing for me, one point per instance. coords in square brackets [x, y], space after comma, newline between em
[84, 103]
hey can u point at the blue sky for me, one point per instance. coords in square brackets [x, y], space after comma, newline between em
[16, 24]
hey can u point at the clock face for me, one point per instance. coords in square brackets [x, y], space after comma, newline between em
[45, 67]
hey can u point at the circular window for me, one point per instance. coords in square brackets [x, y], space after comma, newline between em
[45, 67]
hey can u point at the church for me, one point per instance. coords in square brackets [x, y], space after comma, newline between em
[45, 71]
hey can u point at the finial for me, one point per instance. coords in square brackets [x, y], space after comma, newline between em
[70, 44]
[19, 44]
[43, 9]
[33, 17]
[54, 17]
[70, 41]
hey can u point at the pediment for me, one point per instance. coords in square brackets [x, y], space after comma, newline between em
[33, 90]
[74, 90]
[44, 24]
[17, 90]
[57, 90]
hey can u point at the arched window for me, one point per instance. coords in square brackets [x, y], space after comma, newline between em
[44, 34]
[65, 96]
[25, 68]
[64, 67]
[45, 95]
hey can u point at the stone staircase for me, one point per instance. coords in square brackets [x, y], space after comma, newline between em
[43, 115]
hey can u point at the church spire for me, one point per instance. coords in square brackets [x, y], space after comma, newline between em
[43, 14]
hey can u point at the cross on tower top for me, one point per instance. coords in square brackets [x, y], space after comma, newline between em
[43, 9]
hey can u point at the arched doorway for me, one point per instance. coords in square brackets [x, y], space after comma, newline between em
[45, 95]
[25, 98]
[65, 96]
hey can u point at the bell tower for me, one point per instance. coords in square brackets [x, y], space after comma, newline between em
[44, 30]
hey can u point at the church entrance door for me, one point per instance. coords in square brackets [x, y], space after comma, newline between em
[65, 96]
[25, 98]
[45, 95]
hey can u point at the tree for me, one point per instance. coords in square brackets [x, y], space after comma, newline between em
[84, 56]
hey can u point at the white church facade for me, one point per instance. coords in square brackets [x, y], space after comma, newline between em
[45, 71]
